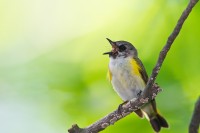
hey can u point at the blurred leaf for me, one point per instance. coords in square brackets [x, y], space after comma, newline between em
[53, 73]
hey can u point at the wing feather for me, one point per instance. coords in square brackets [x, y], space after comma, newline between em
[142, 70]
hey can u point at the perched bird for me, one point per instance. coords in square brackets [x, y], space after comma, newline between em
[129, 78]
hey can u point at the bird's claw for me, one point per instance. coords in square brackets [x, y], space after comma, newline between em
[119, 110]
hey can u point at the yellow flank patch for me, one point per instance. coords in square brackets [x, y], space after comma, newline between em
[109, 75]
[136, 67]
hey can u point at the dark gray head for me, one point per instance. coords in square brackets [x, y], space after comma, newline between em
[121, 48]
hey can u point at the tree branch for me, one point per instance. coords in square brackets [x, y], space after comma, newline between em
[116, 115]
[195, 121]
[168, 44]
[151, 90]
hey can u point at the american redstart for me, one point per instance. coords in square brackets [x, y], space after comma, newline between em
[129, 78]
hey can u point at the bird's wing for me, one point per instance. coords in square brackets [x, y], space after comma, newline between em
[142, 70]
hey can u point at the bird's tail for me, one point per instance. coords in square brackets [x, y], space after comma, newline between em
[157, 122]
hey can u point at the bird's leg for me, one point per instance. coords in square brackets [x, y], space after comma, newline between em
[119, 110]
[139, 93]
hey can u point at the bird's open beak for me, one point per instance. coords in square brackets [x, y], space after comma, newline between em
[114, 47]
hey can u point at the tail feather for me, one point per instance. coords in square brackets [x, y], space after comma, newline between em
[157, 122]
[162, 121]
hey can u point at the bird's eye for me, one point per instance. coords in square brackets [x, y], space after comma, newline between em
[122, 48]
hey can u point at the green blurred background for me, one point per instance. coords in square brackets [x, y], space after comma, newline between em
[53, 73]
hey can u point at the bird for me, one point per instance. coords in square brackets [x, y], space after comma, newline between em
[128, 77]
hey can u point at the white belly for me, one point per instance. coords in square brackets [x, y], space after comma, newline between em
[125, 82]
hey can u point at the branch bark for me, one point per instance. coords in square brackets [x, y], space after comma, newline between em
[116, 115]
[151, 90]
[195, 121]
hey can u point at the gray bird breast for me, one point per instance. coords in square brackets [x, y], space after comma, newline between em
[127, 84]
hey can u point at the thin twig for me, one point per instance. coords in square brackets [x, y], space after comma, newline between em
[195, 121]
[150, 91]
[168, 44]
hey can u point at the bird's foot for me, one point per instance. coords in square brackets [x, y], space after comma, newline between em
[119, 110]
[139, 93]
